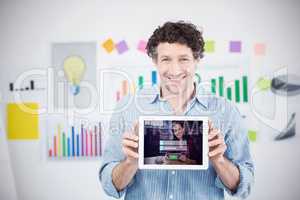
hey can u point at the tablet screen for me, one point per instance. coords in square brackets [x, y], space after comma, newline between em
[173, 143]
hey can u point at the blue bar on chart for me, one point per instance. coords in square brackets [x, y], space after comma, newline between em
[73, 141]
[154, 78]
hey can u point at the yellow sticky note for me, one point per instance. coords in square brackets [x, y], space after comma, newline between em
[264, 84]
[22, 121]
[209, 46]
[252, 135]
[109, 45]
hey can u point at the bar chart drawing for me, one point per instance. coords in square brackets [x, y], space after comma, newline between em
[126, 88]
[238, 91]
[75, 141]
[31, 87]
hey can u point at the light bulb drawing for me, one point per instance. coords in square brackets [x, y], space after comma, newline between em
[74, 68]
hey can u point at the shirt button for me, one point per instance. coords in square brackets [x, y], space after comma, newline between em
[173, 172]
[171, 196]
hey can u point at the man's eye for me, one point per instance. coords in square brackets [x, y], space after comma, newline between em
[184, 59]
[165, 59]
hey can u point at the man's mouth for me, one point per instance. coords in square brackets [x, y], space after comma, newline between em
[176, 79]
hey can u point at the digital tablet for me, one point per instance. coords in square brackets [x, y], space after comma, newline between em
[173, 142]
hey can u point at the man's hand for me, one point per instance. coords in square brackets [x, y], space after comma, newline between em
[123, 173]
[216, 144]
[130, 145]
[227, 170]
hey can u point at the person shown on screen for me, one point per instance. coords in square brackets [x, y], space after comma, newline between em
[176, 48]
[190, 156]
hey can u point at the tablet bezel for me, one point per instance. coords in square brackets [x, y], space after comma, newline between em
[204, 165]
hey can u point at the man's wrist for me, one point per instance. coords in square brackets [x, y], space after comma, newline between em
[219, 161]
[131, 162]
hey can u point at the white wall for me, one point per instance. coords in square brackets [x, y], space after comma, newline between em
[29, 27]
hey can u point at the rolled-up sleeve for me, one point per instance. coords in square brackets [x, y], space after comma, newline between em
[238, 152]
[112, 155]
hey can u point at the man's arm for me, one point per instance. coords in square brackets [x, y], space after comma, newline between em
[124, 172]
[113, 154]
[231, 159]
[227, 171]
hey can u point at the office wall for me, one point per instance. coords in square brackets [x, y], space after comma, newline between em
[28, 28]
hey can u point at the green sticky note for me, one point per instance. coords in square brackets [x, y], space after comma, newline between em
[263, 84]
[252, 135]
[209, 46]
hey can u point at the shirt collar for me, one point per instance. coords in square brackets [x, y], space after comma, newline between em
[199, 95]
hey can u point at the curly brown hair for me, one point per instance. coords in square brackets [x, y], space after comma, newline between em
[177, 32]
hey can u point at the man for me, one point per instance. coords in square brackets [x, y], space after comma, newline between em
[175, 49]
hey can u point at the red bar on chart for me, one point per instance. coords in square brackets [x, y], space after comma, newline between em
[86, 143]
[124, 87]
[118, 96]
[82, 146]
[96, 149]
[55, 146]
[100, 145]
[91, 143]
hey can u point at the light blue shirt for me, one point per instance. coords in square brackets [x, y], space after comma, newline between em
[178, 184]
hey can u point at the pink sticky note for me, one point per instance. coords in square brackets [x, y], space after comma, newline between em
[259, 49]
[142, 46]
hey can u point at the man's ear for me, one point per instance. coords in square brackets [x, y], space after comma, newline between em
[197, 61]
[154, 60]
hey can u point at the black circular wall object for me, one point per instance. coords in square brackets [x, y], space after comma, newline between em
[286, 85]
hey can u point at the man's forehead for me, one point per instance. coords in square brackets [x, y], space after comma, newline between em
[172, 46]
[168, 54]
[166, 49]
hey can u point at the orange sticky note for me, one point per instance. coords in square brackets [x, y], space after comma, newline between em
[109, 45]
[22, 121]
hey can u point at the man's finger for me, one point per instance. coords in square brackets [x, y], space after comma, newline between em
[130, 153]
[130, 136]
[215, 142]
[210, 125]
[131, 149]
[219, 150]
[136, 128]
[213, 134]
[130, 143]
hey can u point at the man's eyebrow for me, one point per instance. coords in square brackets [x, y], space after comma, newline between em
[184, 55]
[164, 56]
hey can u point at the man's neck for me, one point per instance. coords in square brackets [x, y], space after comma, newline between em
[179, 102]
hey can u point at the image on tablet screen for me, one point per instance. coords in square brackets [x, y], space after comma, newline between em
[173, 142]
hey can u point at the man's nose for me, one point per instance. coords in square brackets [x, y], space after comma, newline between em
[175, 68]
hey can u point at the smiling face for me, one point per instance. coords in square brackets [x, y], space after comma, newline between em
[176, 67]
[178, 131]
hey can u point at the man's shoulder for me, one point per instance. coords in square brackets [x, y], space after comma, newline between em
[219, 104]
